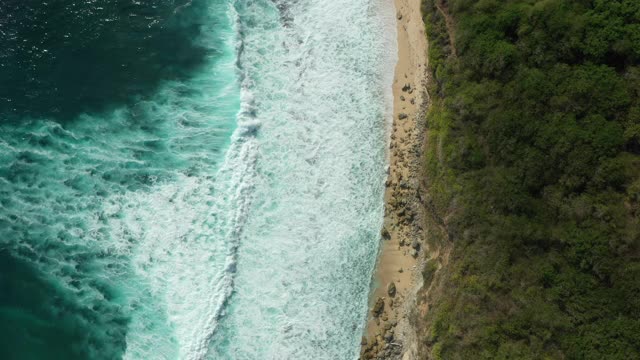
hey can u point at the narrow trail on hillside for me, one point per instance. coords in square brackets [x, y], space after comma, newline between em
[443, 7]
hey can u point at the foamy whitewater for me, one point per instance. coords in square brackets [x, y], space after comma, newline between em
[231, 215]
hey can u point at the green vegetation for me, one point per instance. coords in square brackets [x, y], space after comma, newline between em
[533, 163]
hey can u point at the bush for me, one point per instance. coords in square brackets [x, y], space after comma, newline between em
[533, 160]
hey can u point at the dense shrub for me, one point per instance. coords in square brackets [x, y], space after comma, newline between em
[533, 160]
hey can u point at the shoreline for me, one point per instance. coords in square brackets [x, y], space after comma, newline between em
[388, 334]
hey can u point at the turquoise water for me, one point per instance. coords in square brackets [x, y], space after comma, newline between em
[190, 179]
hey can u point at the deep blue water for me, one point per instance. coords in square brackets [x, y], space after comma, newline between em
[61, 58]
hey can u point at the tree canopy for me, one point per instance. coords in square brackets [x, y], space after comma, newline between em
[533, 159]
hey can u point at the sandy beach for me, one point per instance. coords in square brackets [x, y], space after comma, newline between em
[395, 279]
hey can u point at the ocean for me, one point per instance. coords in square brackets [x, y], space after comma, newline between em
[194, 179]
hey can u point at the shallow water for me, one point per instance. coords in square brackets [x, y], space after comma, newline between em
[220, 204]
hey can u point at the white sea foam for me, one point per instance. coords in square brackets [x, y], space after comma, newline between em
[187, 232]
[320, 76]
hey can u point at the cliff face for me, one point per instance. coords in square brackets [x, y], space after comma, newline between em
[531, 182]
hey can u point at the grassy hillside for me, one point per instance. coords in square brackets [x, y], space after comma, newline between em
[533, 169]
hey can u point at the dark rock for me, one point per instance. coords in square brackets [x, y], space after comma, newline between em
[391, 289]
[406, 87]
[378, 307]
[385, 233]
[388, 336]
[402, 116]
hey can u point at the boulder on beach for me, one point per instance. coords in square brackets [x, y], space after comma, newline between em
[385, 233]
[391, 289]
[378, 307]
[388, 336]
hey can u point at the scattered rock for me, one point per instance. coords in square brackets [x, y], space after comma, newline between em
[406, 87]
[391, 289]
[414, 253]
[402, 116]
[364, 341]
[401, 97]
[399, 16]
[401, 271]
[415, 244]
[413, 101]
